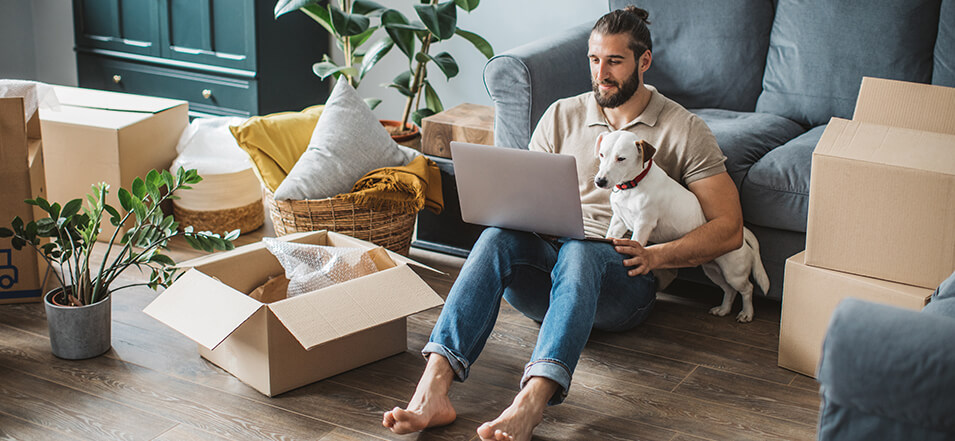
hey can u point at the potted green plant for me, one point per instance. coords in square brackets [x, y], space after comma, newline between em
[438, 22]
[350, 23]
[78, 311]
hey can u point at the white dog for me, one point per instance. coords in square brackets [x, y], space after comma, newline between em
[661, 210]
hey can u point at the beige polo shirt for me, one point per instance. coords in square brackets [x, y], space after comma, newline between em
[686, 149]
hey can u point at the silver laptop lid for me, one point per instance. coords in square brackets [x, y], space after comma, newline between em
[518, 189]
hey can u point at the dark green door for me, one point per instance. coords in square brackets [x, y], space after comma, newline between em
[216, 32]
[120, 25]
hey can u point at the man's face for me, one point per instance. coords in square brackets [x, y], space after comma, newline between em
[614, 70]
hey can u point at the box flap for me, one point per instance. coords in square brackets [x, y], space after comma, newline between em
[355, 305]
[105, 100]
[892, 146]
[908, 105]
[202, 308]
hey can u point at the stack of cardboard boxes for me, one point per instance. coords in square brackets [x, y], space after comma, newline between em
[881, 213]
[21, 175]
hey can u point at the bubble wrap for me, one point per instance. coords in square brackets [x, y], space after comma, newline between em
[313, 267]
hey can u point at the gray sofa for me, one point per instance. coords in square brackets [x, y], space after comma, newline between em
[886, 373]
[765, 75]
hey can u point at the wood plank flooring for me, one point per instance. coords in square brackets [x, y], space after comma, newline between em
[684, 375]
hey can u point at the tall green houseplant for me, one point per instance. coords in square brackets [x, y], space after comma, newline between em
[350, 23]
[437, 22]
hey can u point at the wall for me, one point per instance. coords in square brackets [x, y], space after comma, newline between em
[17, 59]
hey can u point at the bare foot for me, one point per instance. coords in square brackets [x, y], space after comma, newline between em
[518, 421]
[430, 406]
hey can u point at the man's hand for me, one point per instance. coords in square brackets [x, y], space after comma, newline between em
[641, 259]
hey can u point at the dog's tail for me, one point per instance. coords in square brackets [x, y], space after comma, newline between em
[759, 273]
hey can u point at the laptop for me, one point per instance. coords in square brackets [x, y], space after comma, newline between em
[518, 189]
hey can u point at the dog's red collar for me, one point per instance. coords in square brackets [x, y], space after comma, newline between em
[633, 183]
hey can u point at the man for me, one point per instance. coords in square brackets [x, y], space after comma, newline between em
[572, 286]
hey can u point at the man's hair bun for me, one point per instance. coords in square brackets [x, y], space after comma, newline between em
[642, 14]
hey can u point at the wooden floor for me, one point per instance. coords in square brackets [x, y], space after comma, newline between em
[684, 375]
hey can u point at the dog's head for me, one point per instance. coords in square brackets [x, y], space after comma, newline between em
[622, 157]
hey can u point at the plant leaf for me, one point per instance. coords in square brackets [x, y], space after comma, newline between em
[447, 64]
[125, 199]
[479, 42]
[394, 23]
[440, 19]
[5, 232]
[324, 69]
[283, 7]
[366, 7]
[360, 39]
[431, 98]
[346, 24]
[402, 82]
[372, 102]
[419, 114]
[138, 188]
[467, 5]
[374, 54]
[318, 13]
[162, 259]
[71, 208]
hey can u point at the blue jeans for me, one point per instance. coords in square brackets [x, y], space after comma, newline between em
[569, 286]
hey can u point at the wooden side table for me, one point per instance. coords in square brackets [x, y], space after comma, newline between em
[465, 123]
[446, 232]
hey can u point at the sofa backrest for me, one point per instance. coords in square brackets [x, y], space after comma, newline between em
[944, 66]
[819, 51]
[708, 53]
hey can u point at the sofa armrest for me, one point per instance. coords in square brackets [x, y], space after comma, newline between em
[524, 81]
[889, 365]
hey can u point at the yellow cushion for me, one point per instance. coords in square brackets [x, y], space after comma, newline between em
[274, 142]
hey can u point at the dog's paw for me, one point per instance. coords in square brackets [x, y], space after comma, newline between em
[743, 317]
[719, 310]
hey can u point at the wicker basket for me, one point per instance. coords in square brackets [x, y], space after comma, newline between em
[388, 228]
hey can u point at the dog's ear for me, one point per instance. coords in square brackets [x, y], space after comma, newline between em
[647, 149]
[600, 138]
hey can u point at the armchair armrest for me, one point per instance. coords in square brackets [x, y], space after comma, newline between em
[886, 373]
[524, 81]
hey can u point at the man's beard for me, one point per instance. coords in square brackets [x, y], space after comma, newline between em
[624, 92]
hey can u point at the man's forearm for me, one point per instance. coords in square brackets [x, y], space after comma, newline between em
[705, 243]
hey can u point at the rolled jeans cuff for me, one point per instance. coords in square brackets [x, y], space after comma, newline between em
[550, 369]
[459, 364]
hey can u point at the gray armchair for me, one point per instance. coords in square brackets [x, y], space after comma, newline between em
[888, 373]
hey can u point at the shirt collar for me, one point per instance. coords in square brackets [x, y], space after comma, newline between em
[595, 116]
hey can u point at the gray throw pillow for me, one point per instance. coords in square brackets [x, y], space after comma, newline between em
[347, 143]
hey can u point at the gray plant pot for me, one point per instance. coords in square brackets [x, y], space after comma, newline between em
[78, 332]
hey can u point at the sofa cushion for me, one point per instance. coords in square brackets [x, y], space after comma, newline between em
[944, 66]
[708, 53]
[819, 51]
[775, 192]
[943, 299]
[745, 137]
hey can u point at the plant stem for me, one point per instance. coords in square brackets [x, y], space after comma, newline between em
[346, 44]
[415, 84]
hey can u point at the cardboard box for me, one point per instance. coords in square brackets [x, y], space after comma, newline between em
[279, 346]
[810, 295]
[106, 136]
[21, 175]
[464, 123]
[882, 191]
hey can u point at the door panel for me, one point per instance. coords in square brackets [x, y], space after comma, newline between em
[218, 32]
[120, 25]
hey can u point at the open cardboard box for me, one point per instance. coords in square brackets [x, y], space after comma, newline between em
[276, 347]
[99, 136]
[21, 175]
[810, 296]
[882, 189]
